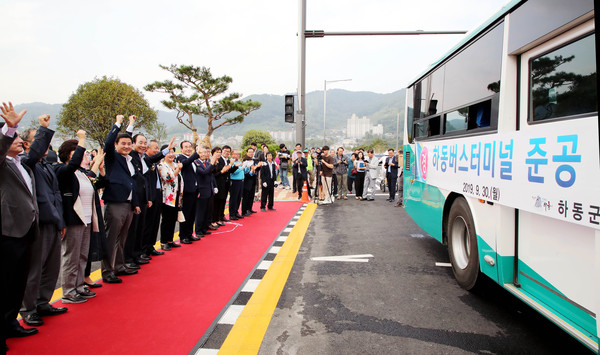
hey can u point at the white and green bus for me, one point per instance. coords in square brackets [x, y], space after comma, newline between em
[502, 158]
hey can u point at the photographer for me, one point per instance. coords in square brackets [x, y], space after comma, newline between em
[284, 160]
[340, 163]
[326, 163]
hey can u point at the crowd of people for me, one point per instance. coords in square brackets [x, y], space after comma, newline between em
[330, 176]
[110, 204]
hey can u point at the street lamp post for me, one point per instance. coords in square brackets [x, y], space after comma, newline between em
[325, 101]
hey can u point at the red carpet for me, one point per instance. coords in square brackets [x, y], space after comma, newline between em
[168, 306]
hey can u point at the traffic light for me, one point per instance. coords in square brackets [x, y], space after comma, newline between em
[289, 108]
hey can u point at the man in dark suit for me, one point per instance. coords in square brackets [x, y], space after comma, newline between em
[190, 191]
[19, 216]
[44, 266]
[204, 172]
[268, 174]
[222, 171]
[154, 195]
[300, 174]
[135, 248]
[120, 197]
[391, 173]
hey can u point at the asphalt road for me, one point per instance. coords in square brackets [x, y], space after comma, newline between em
[399, 302]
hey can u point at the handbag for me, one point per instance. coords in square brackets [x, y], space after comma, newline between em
[180, 217]
[353, 171]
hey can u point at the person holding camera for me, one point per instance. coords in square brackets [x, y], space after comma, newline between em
[326, 163]
[340, 163]
[284, 160]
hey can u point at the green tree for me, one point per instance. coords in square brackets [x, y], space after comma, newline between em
[95, 104]
[196, 92]
[258, 137]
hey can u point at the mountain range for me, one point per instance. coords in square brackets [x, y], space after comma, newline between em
[341, 104]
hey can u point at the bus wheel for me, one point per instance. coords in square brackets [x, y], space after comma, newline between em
[462, 244]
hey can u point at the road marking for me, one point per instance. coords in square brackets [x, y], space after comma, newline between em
[281, 239]
[292, 223]
[251, 285]
[248, 332]
[360, 258]
[274, 250]
[443, 264]
[231, 314]
[417, 235]
[264, 265]
[287, 230]
[204, 351]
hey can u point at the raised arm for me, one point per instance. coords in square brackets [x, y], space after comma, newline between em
[41, 142]
[12, 119]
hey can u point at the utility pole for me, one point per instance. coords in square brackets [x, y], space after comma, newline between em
[301, 113]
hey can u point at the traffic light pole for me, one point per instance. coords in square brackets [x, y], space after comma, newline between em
[303, 34]
[300, 116]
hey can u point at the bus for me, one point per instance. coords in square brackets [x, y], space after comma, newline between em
[502, 163]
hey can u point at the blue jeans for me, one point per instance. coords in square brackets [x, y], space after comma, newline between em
[284, 177]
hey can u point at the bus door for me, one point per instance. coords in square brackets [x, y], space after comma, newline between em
[558, 250]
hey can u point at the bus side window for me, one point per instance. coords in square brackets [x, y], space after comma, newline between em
[479, 114]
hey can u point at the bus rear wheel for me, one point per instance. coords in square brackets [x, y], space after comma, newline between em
[462, 244]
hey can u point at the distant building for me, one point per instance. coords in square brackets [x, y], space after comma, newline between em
[357, 128]
[377, 130]
[282, 136]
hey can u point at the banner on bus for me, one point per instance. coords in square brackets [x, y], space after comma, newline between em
[548, 169]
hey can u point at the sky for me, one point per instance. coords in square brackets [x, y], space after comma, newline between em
[49, 48]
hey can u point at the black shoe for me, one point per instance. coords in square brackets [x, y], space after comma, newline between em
[19, 332]
[132, 266]
[225, 220]
[239, 216]
[165, 247]
[263, 210]
[248, 214]
[53, 311]
[207, 233]
[186, 241]
[87, 294]
[174, 245]
[112, 279]
[195, 239]
[252, 211]
[233, 218]
[145, 257]
[272, 209]
[126, 272]
[156, 252]
[33, 320]
[213, 228]
[94, 285]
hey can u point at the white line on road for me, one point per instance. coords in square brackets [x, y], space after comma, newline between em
[360, 258]
[443, 264]
[231, 314]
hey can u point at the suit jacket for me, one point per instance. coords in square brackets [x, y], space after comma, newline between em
[18, 205]
[302, 162]
[268, 177]
[190, 181]
[46, 184]
[205, 178]
[394, 168]
[69, 187]
[222, 179]
[122, 183]
[145, 190]
[152, 177]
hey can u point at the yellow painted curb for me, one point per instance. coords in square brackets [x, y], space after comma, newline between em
[249, 330]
